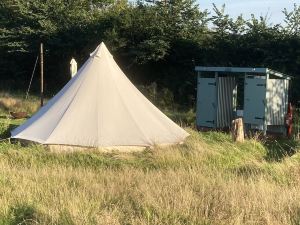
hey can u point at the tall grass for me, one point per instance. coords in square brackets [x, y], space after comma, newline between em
[207, 180]
[17, 102]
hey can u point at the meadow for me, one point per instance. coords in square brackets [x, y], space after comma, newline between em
[207, 180]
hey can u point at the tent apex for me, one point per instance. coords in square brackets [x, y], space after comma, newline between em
[100, 51]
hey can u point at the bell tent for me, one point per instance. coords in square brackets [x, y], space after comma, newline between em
[100, 107]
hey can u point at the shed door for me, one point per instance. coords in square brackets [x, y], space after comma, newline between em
[227, 89]
[255, 100]
[206, 102]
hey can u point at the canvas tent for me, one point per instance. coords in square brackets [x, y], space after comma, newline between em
[100, 107]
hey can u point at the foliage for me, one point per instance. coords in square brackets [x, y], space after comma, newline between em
[158, 42]
[292, 20]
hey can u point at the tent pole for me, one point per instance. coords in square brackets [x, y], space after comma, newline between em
[42, 74]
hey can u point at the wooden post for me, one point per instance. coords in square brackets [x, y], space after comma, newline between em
[42, 74]
[237, 130]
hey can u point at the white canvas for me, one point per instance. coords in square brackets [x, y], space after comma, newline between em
[100, 107]
[73, 67]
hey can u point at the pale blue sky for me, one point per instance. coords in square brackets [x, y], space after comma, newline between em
[257, 7]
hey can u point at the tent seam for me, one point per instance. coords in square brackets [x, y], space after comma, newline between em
[156, 110]
[65, 111]
[118, 91]
[41, 113]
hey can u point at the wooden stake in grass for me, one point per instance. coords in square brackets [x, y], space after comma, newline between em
[237, 130]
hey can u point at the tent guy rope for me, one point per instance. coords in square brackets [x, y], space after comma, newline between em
[27, 92]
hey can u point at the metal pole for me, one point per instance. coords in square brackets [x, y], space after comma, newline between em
[266, 105]
[198, 99]
[42, 74]
[217, 100]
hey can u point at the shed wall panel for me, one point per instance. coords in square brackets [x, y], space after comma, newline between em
[277, 98]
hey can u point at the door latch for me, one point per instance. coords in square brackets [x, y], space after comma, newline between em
[259, 118]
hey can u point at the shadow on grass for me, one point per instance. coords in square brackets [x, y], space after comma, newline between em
[278, 149]
[22, 214]
[28, 214]
[5, 131]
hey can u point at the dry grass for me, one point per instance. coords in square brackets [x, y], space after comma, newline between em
[207, 180]
[16, 103]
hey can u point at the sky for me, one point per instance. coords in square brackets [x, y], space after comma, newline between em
[271, 8]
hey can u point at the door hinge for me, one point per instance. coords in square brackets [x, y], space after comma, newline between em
[214, 83]
[261, 85]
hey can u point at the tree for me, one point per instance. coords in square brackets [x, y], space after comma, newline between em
[292, 20]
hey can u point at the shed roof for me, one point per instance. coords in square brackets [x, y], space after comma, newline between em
[259, 70]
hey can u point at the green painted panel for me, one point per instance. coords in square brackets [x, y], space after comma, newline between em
[206, 102]
[255, 100]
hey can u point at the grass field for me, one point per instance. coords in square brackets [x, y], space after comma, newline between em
[207, 180]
